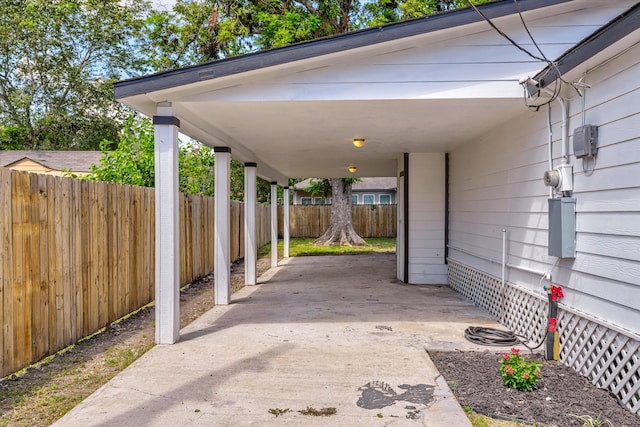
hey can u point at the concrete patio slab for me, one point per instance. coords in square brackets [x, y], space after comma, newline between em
[318, 332]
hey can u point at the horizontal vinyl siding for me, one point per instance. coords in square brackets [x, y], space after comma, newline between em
[470, 61]
[496, 183]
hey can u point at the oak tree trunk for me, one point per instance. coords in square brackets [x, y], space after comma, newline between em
[340, 231]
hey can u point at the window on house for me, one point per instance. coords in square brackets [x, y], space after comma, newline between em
[354, 199]
[368, 199]
[318, 200]
[306, 200]
[385, 199]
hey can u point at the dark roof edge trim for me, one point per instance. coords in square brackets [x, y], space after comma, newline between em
[166, 120]
[614, 31]
[319, 47]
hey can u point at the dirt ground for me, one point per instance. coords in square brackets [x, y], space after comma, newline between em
[44, 393]
[562, 394]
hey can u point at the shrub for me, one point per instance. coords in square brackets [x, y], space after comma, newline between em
[518, 374]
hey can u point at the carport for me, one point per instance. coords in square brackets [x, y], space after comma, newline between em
[413, 90]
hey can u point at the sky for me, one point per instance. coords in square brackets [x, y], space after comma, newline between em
[163, 4]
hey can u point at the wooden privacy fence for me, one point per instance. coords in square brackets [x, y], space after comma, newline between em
[76, 255]
[368, 220]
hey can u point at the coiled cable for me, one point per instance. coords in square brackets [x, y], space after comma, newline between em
[497, 337]
[490, 336]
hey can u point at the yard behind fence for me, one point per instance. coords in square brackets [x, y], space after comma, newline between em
[77, 255]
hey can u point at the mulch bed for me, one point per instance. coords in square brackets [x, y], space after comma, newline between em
[562, 393]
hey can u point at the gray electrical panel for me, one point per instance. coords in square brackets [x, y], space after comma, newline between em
[585, 141]
[562, 227]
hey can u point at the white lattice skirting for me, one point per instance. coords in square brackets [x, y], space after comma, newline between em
[607, 357]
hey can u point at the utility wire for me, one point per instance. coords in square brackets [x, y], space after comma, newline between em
[524, 24]
[550, 63]
[499, 31]
[542, 58]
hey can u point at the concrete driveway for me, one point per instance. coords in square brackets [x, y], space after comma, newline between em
[318, 332]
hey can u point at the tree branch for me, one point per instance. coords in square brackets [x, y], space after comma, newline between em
[309, 6]
[4, 95]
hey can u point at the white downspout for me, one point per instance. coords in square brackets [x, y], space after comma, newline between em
[566, 169]
[565, 133]
[565, 130]
[550, 144]
[504, 265]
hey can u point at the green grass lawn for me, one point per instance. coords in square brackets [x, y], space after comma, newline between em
[305, 247]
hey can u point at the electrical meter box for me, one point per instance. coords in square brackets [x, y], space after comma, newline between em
[585, 141]
[562, 227]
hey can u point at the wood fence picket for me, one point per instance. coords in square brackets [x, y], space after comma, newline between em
[77, 255]
[368, 220]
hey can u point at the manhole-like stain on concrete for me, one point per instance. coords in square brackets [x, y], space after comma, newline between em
[377, 394]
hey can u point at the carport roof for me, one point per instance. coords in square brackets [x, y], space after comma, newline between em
[424, 85]
[319, 47]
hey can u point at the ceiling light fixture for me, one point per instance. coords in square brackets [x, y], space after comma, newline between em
[352, 168]
[358, 142]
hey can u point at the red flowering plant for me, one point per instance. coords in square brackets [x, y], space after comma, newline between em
[518, 374]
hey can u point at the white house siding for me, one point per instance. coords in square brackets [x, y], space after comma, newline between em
[496, 183]
[485, 65]
[426, 218]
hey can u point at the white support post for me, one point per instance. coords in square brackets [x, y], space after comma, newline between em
[167, 226]
[274, 224]
[250, 242]
[222, 248]
[286, 232]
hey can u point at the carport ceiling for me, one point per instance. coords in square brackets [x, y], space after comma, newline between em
[426, 85]
[307, 139]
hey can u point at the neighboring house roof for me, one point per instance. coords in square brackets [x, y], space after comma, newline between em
[75, 161]
[367, 184]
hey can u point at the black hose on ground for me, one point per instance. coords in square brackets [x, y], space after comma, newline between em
[497, 337]
[490, 336]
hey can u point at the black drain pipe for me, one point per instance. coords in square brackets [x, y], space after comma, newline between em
[405, 203]
[446, 208]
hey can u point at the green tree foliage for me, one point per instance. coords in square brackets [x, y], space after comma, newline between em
[204, 30]
[197, 31]
[380, 12]
[58, 59]
[132, 163]
[319, 187]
